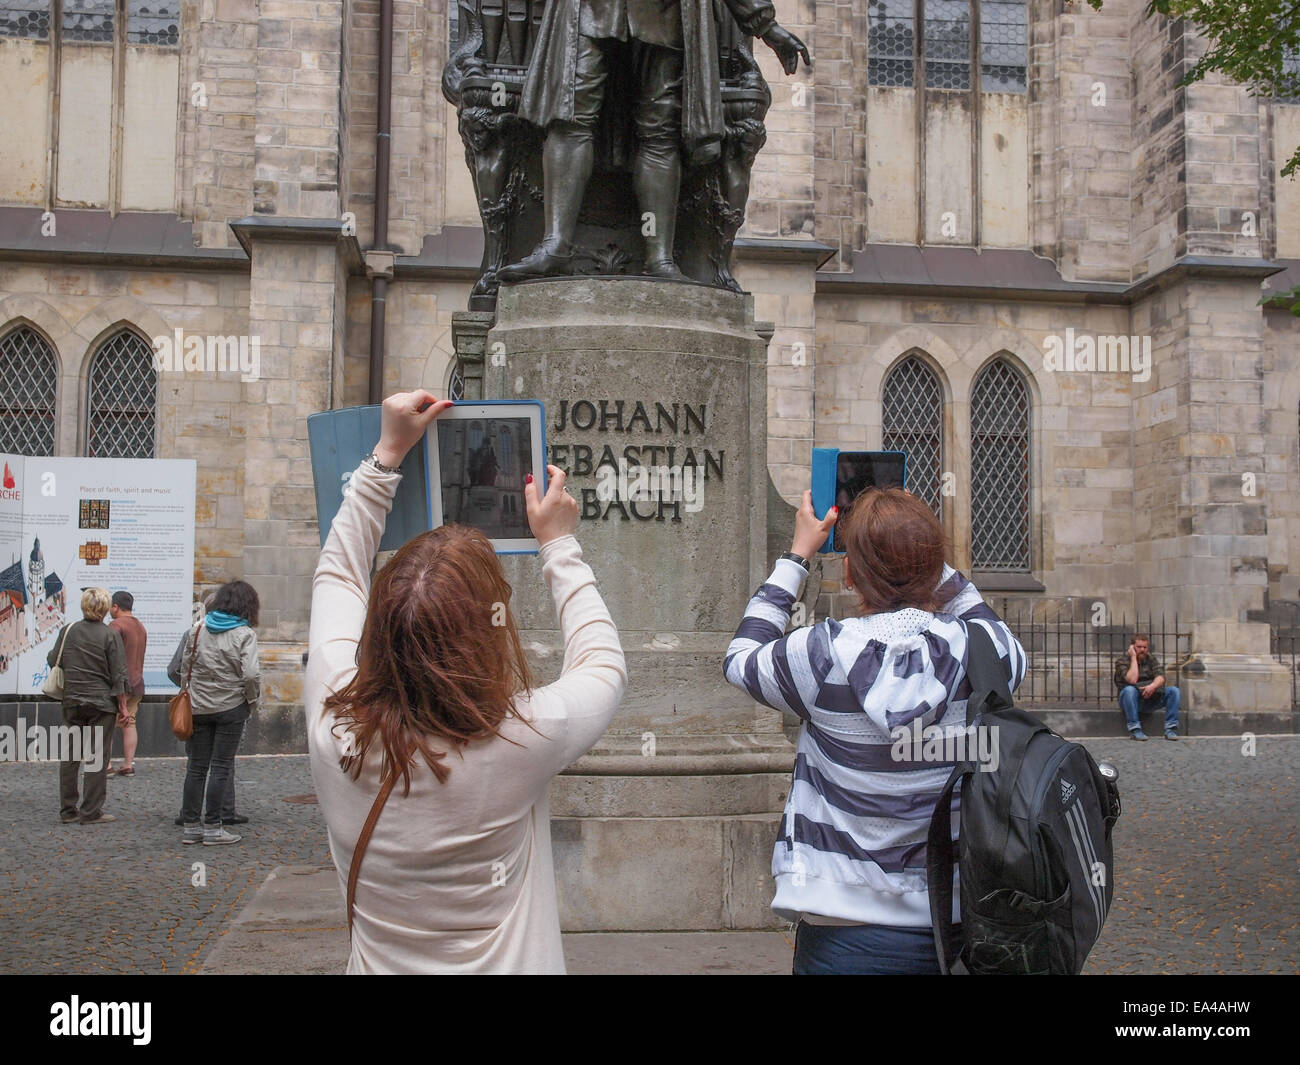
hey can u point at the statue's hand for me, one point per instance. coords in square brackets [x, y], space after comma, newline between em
[788, 48]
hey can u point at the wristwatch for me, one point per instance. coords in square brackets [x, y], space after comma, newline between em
[373, 460]
[797, 558]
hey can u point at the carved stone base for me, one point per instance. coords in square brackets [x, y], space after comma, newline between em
[669, 823]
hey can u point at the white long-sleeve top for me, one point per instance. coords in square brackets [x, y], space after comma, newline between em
[457, 877]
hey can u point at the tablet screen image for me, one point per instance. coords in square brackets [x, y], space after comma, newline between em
[859, 470]
[477, 467]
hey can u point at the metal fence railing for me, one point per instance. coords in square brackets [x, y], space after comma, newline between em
[1072, 662]
[1284, 646]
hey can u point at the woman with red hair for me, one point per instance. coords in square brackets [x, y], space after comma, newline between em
[420, 681]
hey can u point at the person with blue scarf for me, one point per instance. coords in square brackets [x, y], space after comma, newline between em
[219, 667]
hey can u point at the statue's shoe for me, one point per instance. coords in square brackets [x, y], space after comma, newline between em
[666, 269]
[542, 262]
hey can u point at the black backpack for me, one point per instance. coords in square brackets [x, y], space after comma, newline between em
[1037, 870]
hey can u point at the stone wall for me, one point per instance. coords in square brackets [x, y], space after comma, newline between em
[1080, 449]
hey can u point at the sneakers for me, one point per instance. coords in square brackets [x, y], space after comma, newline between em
[1170, 734]
[216, 836]
[1138, 734]
[102, 819]
[193, 833]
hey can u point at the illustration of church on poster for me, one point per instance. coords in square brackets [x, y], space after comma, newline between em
[42, 592]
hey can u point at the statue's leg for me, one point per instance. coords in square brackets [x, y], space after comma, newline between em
[567, 159]
[657, 170]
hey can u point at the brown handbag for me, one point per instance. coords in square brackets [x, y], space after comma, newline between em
[180, 712]
[363, 840]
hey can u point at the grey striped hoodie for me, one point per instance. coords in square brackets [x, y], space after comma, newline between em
[853, 836]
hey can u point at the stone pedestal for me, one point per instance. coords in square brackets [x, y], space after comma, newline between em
[669, 822]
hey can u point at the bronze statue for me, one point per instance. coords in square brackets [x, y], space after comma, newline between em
[583, 93]
[671, 46]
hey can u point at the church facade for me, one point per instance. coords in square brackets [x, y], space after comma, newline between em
[997, 235]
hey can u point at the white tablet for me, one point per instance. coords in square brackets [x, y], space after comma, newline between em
[477, 454]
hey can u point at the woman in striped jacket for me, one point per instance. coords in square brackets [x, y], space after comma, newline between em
[850, 861]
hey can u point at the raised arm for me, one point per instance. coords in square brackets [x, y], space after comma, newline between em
[594, 674]
[341, 586]
[759, 657]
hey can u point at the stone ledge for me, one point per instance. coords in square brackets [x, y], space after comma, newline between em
[296, 923]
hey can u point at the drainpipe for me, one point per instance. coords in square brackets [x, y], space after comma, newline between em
[383, 148]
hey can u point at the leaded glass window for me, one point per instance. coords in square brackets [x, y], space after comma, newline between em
[913, 423]
[88, 20]
[999, 412]
[455, 383]
[891, 37]
[25, 18]
[29, 379]
[123, 403]
[1003, 43]
[154, 22]
[947, 44]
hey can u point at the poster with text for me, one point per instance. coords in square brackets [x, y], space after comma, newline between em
[67, 524]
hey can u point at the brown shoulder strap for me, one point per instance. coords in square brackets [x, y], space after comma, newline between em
[194, 653]
[363, 840]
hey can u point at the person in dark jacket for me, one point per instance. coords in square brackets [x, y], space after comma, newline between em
[95, 688]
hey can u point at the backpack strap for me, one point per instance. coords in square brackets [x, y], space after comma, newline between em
[984, 668]
[939, 862]
[363, 840]
[989, 689]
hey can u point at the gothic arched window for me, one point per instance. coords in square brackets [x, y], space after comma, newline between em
[122, 407]
[29, 377]
[999, 415]
[913, 422]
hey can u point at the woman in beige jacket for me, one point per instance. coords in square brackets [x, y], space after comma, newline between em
[420, 683]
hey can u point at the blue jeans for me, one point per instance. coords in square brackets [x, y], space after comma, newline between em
[1166, 696]
[865, 950]
[212, 760]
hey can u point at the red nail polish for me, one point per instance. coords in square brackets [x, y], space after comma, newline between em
[528, 479]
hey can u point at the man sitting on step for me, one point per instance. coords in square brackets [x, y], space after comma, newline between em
[1141, 683]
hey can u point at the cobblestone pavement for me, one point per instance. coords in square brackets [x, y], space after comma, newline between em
[1207, 878]
[118, 898]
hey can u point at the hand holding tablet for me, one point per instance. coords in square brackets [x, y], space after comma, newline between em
[553, 515]
[405, 417]
[477, 457]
